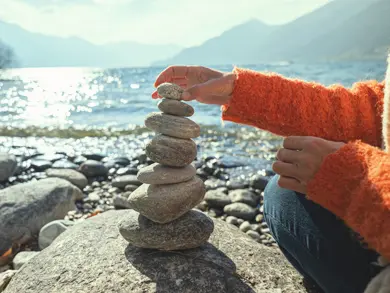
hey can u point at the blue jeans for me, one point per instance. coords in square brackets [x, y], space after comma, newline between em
[317, 243]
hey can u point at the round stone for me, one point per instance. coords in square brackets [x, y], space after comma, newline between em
[176, 108]
[244, 196]
[160, 174]
[246, 226]
[170, 91]
[217, 199]
[72, 176]
[240, 210]
[91, 168]
[255, 235]
[171, 151]
[189, 231]
[165, 203]
[179, 127]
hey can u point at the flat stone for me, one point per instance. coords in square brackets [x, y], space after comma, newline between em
[170, 91]
[91, 168]
[160, 174]
[171, 151]
[244, 196]
[93, 257]
[189, 231]
[240, 210]
[217, 199]
[27, 207]
[246, 226]
[123, 181]
[51, 231]
[22, 258]
[63, 164]
[72, 176]
[177, 108]
[165, 203]
[174, 126]
[40, 165]
[8, 166]
[5, 278]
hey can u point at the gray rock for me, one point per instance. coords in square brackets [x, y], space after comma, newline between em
[217, 199]
[229, 262]
[171, 151]
[189, 231]
[231, 220]
[170, 91]
[165, 203]
[91, 168]
[51, 231]
[72, 176]
[160, 174]
[63, 164]
[22, 258]
[25, 208]
[40, 165]
[240, 210]
[179, 127]
[93, 197]
[254, 235]
[5, 278]
[258, 182]
[123, 181]
[176, 108]
[8, 165]
[246, 226]
[244, 196]
[121, 202]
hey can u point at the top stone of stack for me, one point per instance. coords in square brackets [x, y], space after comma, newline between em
[170, 91]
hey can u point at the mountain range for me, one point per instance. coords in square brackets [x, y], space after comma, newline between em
[339, 30]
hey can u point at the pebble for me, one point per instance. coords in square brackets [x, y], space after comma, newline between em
[232, 220]
[127, 171]
[123, 181]
[94, 197]
[160, 174]
[265, 230]
[72, 176]
[23, 257]
[240, 210]
[232, 185]
[258, 182]
[189, 231]
[94, 157]
[131, 187]
[171, 151]
[244, 196]
[170, 91]
[217, 199]
[254, 235]
[121, 202]
[164, 203]
[246, 226]
[91, 168]
[64, 164]
[259, 218]
[79, 160]
[176, 108]
[40, 165]
[51, 231]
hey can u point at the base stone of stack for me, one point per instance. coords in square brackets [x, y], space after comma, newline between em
[165, 203]
[176, 108]
[160, 174]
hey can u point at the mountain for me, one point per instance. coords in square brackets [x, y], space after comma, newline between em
[38, 50]
[337, 30]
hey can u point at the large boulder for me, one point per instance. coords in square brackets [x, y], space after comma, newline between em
[26, 208]
[93, 257]
[8, 165]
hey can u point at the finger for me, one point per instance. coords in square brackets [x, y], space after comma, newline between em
[288, 156]
[214, 87]
[290, 183]
[155, 95]
[170, 73]
[294, 142]
[286, 169]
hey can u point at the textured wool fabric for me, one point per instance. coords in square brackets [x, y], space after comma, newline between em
[354, 182]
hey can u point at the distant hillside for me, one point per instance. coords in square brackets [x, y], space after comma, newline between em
[37, 50]
[337, 30]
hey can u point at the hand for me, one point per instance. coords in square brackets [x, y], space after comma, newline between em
[300, 159]
[381, 283]
[200, 83]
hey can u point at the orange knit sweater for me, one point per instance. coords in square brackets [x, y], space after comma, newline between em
[354, 182]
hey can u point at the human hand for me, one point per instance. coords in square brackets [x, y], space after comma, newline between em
[300, 159]
[381, 283]
[203, 84]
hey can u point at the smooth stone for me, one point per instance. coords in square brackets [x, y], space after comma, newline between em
[22, 258]
[40, 165]
[246, 226]
[72, 176]
[217, 199]
[160, 174]
[177, 108]
[93, 257]
[127, 171]
[170, 91]
[259, 218]
[8, 166]
[121, 202]
[254, 235]
[240, 210]
[122, 161]
[258, 182]
[27, 207]
[165, 203]
[244, 196]
[171, 151]
[123, 181]
[213, 183]
[63, 164]
[231, 220]
[174, 126]
[91, 168]
[131, 187]
[189, 231]
[51, 231]
[5, 278]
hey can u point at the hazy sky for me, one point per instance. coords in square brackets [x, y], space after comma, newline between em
[182, 22]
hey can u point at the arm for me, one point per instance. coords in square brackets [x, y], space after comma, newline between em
[293, 107]
[354, 184]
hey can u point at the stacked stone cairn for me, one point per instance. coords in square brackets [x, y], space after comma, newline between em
[164, 217]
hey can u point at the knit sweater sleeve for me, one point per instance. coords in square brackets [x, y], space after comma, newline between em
[294, 107]
[354, 184]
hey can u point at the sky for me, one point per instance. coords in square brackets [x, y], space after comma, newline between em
[182, 22]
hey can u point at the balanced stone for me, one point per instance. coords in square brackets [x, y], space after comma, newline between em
[171, 151]
[179, 127]
[160, 174]
[165, 203]
[176, 108]
[170, 91]
[189, 231]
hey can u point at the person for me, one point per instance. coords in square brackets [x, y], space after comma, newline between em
[328, 208]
